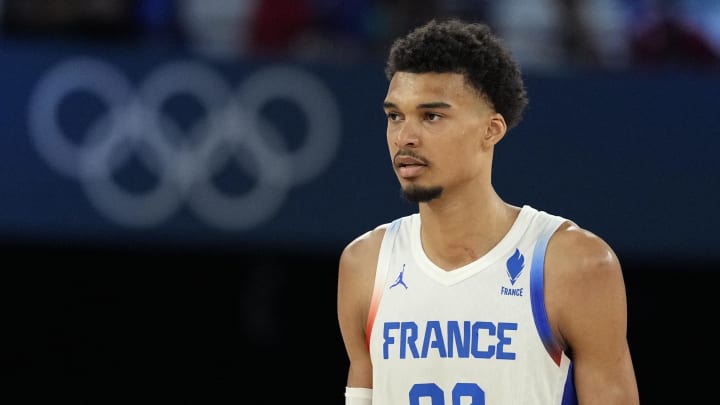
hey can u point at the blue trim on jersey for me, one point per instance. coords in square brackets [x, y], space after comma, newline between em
[537, 298]
[569, 395]
[395, 225]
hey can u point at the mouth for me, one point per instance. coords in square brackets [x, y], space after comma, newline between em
[409, 166]
[402, 161]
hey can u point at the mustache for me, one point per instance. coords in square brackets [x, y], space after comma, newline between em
[409, 153]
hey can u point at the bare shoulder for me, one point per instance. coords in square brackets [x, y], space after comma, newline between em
[583, 282]
[356, 278]
[362, 250]
[587, 310]
[576, 253]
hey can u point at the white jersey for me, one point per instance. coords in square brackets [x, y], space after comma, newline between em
[475, 335]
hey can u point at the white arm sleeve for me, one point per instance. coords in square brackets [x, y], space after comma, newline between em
[358, 396]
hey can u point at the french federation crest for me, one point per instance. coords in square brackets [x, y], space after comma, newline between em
[515, 265]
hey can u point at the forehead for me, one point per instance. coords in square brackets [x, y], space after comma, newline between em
[430, 87]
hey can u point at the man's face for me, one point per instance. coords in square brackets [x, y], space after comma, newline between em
[435, 129]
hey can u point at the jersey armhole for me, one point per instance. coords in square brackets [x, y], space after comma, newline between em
[384, 256]
[537, 295]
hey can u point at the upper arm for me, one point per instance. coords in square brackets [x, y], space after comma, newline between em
[587, 307]
[356, 277]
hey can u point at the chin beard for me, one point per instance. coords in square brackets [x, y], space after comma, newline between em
[417, 194]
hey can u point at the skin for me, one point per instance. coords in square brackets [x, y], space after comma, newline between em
[442, 133]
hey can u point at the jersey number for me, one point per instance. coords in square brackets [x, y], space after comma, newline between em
[437, 396]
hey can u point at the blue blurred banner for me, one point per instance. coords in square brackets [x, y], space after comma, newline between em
[135, 146]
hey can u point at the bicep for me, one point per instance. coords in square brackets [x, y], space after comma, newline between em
[597, 334]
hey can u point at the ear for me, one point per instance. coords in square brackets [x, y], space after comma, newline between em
[495, 130]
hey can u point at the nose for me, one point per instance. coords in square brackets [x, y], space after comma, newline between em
[406, 135]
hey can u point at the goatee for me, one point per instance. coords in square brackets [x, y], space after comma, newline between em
[418, 194]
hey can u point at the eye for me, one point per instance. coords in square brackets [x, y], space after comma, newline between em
[432, 116]
[393, 116]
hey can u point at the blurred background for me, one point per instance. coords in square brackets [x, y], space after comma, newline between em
[178, 179]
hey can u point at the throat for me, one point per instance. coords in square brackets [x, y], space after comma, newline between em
[451, 258]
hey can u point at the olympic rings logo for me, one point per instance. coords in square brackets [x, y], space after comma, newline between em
[232, 130]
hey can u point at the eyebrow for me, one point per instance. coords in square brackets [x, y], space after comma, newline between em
[434, 104]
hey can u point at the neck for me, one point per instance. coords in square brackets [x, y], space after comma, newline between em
[455, 233]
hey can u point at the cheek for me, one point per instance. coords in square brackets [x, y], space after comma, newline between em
[464, 157]
[467, 143]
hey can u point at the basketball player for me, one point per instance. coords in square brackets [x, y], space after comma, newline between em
[473, 300]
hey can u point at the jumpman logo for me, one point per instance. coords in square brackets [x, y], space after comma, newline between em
[399, 279]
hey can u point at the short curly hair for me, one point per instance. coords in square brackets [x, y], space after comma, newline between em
[471, 49]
